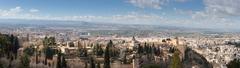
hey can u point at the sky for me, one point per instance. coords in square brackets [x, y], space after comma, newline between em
[217, 14]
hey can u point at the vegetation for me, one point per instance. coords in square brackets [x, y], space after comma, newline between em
[237, 44]
[125, 59]
[25, 61]
[176, 62]
[49, 52]
[49, 43]
[107, 55]
[148, 49]
[71, 44]
[1, 65]
[86, 65]
[98, 50]
[151, 66]
[234, 64]
[64, 62]
[98, 65]
[140, 49]
[9, 46]
[61, 62]
[92, 62]
[172, 49]
[82, 52]
[29, 51]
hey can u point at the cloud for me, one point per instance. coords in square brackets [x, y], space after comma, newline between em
[214, 7]
[182, 0]
[11, 12]
[218, 14]
[18, 13]
[203, 18]
[223, 7]
[130, 18]
[33, 10]
[156, 4]
[16, 9]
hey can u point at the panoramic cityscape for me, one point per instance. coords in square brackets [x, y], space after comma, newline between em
[119, 34]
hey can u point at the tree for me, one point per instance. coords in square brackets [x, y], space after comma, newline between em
[234, 64]
[146, 48]
[92, 62]
[49, 41]
[64, 62]
[4, 42]
[140, 49]
[16, 46]
[9, 45]
[150, 50]
[25, 61]
[49, 52]
[97, 49]
[107, 55]
[125, 59]
[29, 51]
[176, 62]
[113, 52]
[157, 51]
[71, 44]
[61, 62]
[1, 65]
[171, 50]
[154, 50]
[83, 52]
[86, 65]
[45, 41]
[98, 65]
[100, 52]
[36, 54]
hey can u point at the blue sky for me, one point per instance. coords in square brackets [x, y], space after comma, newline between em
[72, 7]
[222, 14]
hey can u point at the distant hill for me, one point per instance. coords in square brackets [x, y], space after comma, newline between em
[98, 25]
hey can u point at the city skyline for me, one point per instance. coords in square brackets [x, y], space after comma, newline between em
[219, 14]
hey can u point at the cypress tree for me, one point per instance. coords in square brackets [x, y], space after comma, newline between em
[100, 52]
[140, 49]
[25, 61]
[86, 65]
[125, 59]
[176, 62]
[107, 55]
[92, 63]
[98, 65]
[64, 62]
[59, 61]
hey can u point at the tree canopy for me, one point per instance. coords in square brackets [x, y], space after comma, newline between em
[107, 55]
[234, 64]
[9, 44]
